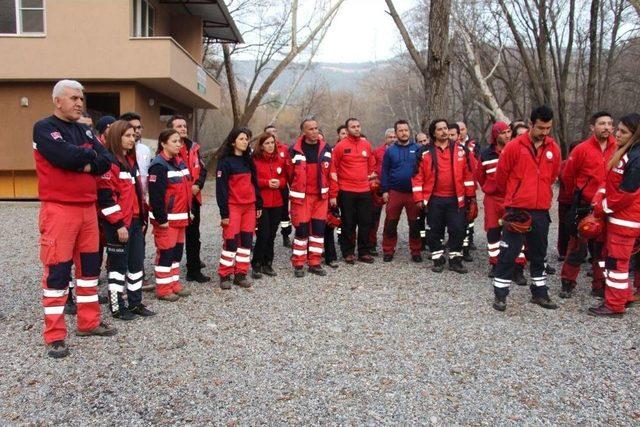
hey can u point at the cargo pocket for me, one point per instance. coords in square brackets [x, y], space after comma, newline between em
[48, 254]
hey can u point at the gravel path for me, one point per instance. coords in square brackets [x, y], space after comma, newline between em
[391, 343]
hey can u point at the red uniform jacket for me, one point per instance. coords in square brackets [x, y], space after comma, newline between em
[378, 154]
[526, 175]
[564, 195]
[236, 183]
[120, 194]
[268, 167]
[169, 191]
[587, 167]
[620, 198]
[61, 150]
[283, 153]
[299, 177]
[423, 182]
[190, 153]
[352, 164]
[485, 171]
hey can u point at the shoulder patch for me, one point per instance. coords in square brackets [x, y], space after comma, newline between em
[219, 174]
[89, 134]
[152, 178]
[364, 153]
[56, 135]
[106, 175]
[549, 155]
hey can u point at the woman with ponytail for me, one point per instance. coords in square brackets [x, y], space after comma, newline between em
[619, 203]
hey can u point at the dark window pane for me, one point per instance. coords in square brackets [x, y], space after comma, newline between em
[143, 15]
[7, 17]
[32, 3]
[32, 21]
[152, 17]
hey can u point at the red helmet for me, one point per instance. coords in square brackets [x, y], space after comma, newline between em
[517, 221]
[333, 218]
[591, 227]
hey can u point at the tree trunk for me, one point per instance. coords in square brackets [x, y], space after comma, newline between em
[231, 80]
[593, 70]
[438, 60]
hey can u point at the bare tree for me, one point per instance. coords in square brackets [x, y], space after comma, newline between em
[435, 67]
[282, 41]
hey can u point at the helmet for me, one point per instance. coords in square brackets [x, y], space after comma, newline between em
[590, 227]
[517, 221]
[333, 218]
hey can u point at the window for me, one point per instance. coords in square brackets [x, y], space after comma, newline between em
[144, 16]
[21, 16]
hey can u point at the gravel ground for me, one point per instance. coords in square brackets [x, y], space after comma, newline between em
[391, 343]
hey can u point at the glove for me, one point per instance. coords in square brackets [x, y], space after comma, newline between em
[472, 208]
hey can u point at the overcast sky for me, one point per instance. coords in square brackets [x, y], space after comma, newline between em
[363, 31]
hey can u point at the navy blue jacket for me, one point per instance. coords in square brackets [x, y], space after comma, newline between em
[398, 166]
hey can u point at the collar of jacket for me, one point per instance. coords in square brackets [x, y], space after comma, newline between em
[298, 145]
[611, 141]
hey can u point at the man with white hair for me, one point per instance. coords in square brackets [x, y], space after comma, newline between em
[68, 157]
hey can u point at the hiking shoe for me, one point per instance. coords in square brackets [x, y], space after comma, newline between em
[241, 281]
[102, 330]
[438, 266]
[466, 255]
[286, 241]
[549, 270]
[170, 297]
[183, 293]
[142, 311]
[256, 272]
[566, 290]
[518, 276]
[147, 286]
[455, 264]
[416, 258]
[298, 272]
[366, 259]
[499, 305]
[317, 270]
[603, 311]
[57, 349]
[125, 315]
[225, 282]
[198, 277]
[599, 293]
[268, 270]
[544, 302]
[333, 264]
[387, 257]
[350, 259]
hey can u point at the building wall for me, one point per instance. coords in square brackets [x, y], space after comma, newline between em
[17, 167]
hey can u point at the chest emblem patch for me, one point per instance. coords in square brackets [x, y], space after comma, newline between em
[364, 153]
[278, 170]
[549, 155]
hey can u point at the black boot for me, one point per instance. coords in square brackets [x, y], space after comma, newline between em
[286, 241]
[541, 297]
[241, 280]
[567, 288]
[455, 264]
[500, 304]
[466, 255]
[256, 271]
[118, 307]
[518, 276]
[438, 265]
[268, 270]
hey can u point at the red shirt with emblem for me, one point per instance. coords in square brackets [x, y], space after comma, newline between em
[445, 186]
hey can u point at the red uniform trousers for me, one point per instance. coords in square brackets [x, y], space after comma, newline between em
[309, 218]
[69, 236]
[493, 212]
[169, 247]
[373, 233]
[577, 252]
[398, 201]
[238, 238]
[617, 292]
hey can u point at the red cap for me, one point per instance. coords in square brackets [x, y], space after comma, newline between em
[496, 129]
